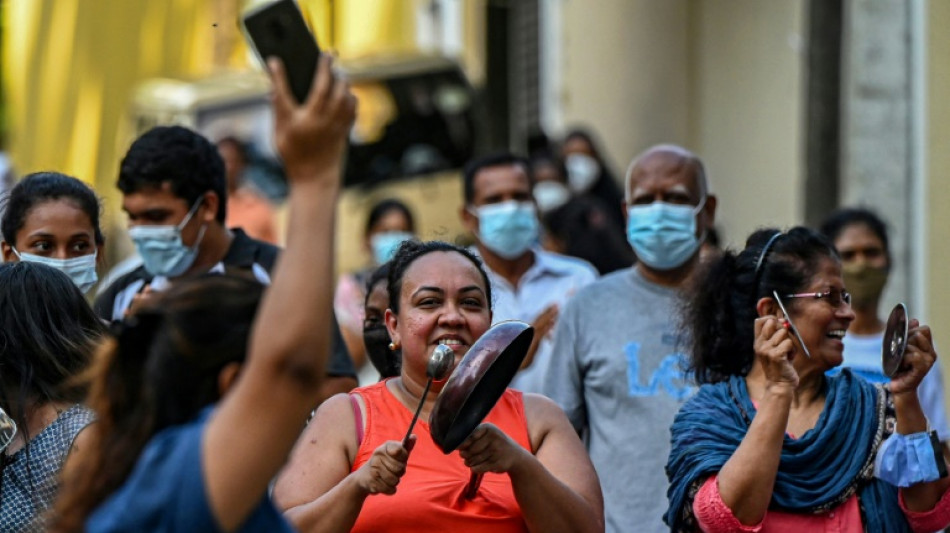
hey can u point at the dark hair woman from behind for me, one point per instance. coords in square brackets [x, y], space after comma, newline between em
[202, 395]
[581, 228]
[48, 333]
[161, 369]
[770, 440]
[53, 219]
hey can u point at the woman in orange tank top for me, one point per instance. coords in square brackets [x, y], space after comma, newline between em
[350, 472]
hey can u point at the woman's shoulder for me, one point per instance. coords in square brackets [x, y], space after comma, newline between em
[52, 444]
[166, 476]
[534, 403]
[713, 392]
[540, 411]
[723, 398]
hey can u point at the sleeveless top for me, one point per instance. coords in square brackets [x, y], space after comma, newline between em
[31, 476]
[430, 494]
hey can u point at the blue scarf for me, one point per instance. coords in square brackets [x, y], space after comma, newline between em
[816, 473]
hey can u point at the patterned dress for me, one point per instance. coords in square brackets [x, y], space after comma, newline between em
[31, 476]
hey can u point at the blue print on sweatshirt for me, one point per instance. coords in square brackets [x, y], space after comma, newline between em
[668, 375]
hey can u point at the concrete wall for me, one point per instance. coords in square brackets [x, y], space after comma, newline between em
[722, 77]
[625, 73]
[938, 170]
[877, 159]
[748, 107]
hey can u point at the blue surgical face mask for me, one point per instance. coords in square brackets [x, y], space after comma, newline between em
[507, 228]
[161, 247]
[82, 269]
[663, 235]
[385, 244]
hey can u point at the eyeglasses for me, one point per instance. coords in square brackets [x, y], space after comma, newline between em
[7, 430]
[834, 296]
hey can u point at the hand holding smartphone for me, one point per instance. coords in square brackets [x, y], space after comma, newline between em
[278, 30]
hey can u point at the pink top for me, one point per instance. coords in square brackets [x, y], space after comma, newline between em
[713, 515]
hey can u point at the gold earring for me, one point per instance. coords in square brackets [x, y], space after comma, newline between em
[393, 346]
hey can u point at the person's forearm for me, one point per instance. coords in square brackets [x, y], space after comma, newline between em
[911, 419]
[747, 479]
[547, 504]
[337, 510]
[294, 321]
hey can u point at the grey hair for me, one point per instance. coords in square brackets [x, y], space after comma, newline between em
[689, 158]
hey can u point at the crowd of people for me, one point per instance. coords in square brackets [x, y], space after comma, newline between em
[226, 384]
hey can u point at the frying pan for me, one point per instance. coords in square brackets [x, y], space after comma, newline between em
[476, 384]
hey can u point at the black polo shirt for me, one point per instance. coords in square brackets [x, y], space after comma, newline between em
[245, 254]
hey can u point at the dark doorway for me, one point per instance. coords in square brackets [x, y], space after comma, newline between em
[823, 109]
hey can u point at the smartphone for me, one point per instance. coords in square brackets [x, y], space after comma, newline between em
[278, 30]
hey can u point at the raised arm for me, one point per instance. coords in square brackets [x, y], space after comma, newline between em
[747, 479]
[257, 423]
[316, 491]
[918, 360]
[555, 485]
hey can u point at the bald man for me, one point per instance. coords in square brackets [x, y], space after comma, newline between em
[616, 363]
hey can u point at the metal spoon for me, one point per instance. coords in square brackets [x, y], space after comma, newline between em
[791, 326]
[438, 367]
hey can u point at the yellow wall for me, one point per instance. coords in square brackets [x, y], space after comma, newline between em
[361, 27]
[434, 201]
[70, 67]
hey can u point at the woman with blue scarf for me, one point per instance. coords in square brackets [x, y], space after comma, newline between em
[769, 443]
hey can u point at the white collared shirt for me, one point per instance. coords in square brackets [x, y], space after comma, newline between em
[552, 279]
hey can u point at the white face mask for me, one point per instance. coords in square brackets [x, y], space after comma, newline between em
[582, 172]
[82, 269]
[550, 195]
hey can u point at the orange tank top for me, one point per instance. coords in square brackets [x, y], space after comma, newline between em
[429, 496]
